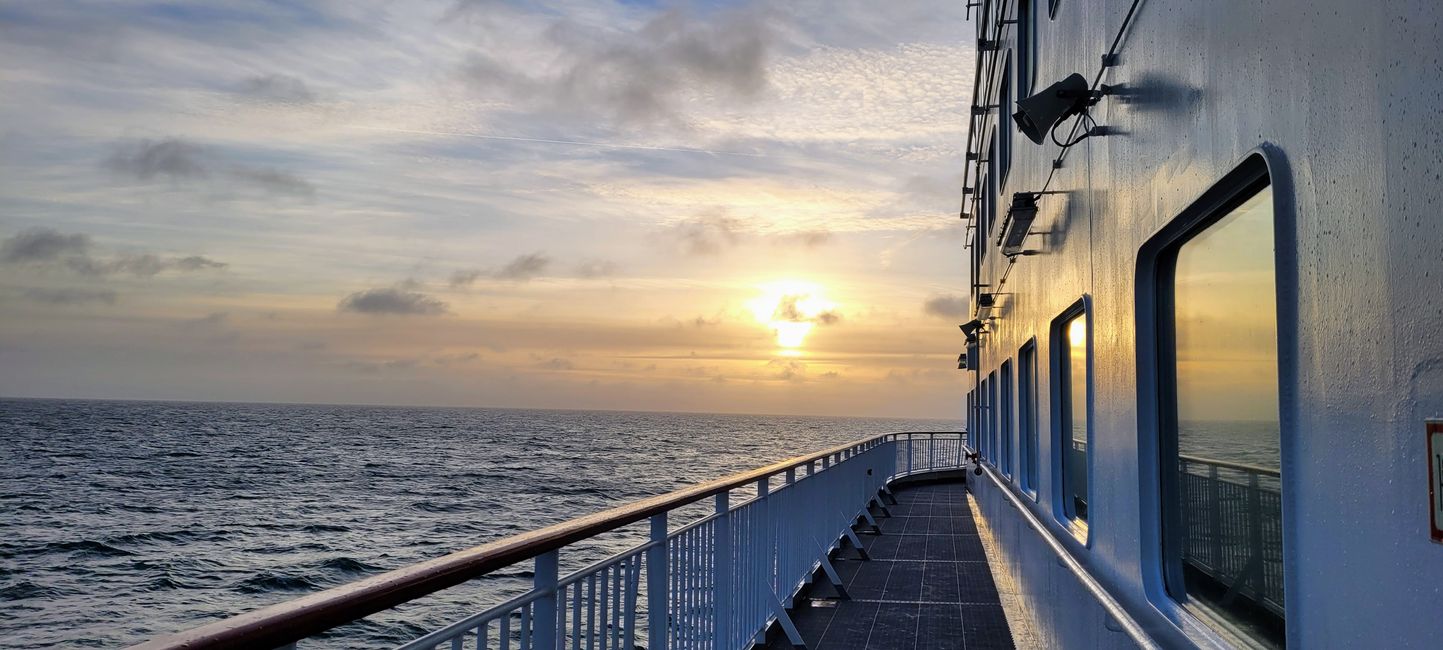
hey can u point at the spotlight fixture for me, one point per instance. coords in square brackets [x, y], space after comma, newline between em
[971, 328]
[1039, 114]
[985, 303]
[1019, 222]
[962, 361]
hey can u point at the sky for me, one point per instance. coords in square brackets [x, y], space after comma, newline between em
[722, 207]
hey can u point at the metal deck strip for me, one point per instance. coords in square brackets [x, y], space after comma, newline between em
[926, 587]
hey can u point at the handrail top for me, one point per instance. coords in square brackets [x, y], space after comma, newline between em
[295, 619]
[1255, 469]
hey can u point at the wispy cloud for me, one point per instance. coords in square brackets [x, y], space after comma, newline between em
[397, 301]
[522, 268]
[42, 245]
[708, 234]
[636, 75]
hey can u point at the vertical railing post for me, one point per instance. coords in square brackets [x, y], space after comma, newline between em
[545, 620]
[657, 621]
[909, 453]
[1215, 518]
[722, 573]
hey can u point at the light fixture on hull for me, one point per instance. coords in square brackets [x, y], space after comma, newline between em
[1037, 115]
[1020, 216]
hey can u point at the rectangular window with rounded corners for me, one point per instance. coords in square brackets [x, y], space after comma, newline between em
[1004, 419]
[972, 417]
[982, 417]
[984, 222]
[1004, 124]
[1026, 50]
[992, 409]
[1072, 367]
[1220, 427]
[1027, 415]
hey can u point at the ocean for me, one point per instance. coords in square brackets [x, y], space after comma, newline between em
[121, 521]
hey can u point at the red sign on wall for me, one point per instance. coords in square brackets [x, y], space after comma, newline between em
[1435, 479]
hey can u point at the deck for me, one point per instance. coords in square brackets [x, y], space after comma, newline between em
[927, 585]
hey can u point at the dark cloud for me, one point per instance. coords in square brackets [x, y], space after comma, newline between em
[708, 234]
[70, 296]
[946, 306]
[789, 370]
[46, 247]
[465, 277]
[788, 310]
[180, 160]
[143, 265]
[274, 181]
[276, 89]
[392, 300]
[638, 76]
[524, 267]
[42, 245]
[148, 159]
[597, 269]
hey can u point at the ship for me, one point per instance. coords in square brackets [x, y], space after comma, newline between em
[1200, 378]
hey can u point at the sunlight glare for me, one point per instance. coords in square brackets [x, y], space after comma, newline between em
[792, 309]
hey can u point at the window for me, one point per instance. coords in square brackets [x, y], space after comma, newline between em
[1004, 419]
[1220, 439]
[1072, 369]
[972, 418]
[1004, 127]
[1027, 414]
[983, 411]
[992, 410]
[1026, 48]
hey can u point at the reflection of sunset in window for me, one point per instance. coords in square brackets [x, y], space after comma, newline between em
[1077, 333]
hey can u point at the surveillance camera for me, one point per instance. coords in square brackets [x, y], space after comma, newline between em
[1037, 114]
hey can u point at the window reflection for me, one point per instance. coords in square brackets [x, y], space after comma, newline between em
[1074, 419]
[1227, 495]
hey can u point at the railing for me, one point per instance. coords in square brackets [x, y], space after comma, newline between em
[1232, 526]
[713, 584]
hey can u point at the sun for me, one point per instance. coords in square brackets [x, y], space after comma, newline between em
[791, 309]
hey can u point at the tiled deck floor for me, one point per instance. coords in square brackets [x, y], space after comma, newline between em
[927, 586]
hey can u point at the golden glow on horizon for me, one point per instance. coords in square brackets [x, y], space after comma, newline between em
[791, 308]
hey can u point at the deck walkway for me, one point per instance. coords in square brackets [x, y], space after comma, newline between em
[927, 585]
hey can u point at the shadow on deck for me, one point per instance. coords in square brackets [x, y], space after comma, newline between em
[927, 585]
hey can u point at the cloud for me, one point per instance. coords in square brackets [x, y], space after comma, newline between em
[277, 89]
[789, 310]
[557, 363]
[633, 76]
[147, 159]
[597, 269]
[181, 160]
[41, 245]
[49, 247]
[524, 267]
[946, 306]
[211, 321]
[274, 181]
[806, 238]
[708, 234]
[520, 269]
[70, 296]
[394, 301]
[789, 370]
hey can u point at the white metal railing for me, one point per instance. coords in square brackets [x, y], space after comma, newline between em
[712, 584]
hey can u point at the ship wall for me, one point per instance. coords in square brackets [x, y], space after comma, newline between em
[1344, 103]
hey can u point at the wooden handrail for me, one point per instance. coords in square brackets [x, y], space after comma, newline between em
[294, 620]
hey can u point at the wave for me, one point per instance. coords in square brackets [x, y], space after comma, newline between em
[25, 590]
[343, 564]
[269, 582]
[82, 548]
